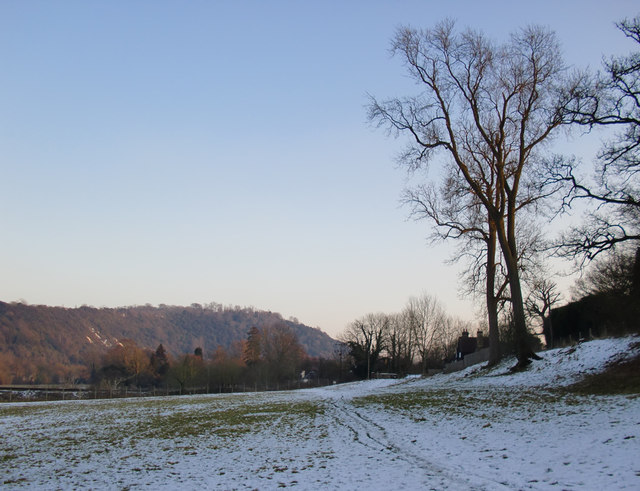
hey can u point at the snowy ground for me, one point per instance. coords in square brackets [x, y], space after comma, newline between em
[468, 430]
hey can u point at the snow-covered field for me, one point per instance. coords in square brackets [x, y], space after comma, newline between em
[469, 430]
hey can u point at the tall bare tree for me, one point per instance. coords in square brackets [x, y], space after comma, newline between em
[488, 109]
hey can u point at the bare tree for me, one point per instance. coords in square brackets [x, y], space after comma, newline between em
[427, 321]
[489, 110]
[365, 338]
[609, 100]
[543, 296]
[400, 343]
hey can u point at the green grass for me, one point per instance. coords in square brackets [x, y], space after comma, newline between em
[454, 400]
[223, 422]
[479, 404]
[175, 426]
[7, 457]
[123, 423]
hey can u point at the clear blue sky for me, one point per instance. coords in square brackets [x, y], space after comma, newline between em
[180, 152]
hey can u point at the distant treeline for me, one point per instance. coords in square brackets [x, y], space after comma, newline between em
[268, 358]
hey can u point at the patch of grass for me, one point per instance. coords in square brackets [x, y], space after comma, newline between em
[21, 410]
[469, 403]
[224, 422]
[439, 399]
[20, 480]
[7, 457]
[621, 377]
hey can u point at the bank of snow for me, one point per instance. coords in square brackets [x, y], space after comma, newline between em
[475, 429]
[558, 367]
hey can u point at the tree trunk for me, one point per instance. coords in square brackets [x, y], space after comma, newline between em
[524, 351]
[635, 280]
[549, 326]
[492, 301]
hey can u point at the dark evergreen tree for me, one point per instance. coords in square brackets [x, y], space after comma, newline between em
[159, 363]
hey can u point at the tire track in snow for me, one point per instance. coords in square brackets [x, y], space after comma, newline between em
[375, 437]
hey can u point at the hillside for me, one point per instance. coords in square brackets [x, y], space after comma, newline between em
[40, 338]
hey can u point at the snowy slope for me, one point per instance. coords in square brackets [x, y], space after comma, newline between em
[475, 429]
[558, 367]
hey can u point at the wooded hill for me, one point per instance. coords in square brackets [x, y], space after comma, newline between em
[39, 341]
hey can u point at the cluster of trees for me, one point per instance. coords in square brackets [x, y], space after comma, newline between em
[487, 114]
[127, 364]
[420, 337]
[271, 357]
[20, 365]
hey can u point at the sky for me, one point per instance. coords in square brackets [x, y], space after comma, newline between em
[217, 151]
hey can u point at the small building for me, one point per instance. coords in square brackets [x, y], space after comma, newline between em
[468, 345]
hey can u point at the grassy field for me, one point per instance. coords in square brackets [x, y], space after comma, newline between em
[472, 430]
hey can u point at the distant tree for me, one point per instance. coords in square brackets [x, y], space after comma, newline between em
[159, 363]
[186, 371]
[426, 320]
[5, 368]
[113, 376]
[226, 367]
[543, 296]
[365, 338]
[125, 363]
[136, 360]
[253, 347]
[282, 353]
[400, 344]
[341, 357]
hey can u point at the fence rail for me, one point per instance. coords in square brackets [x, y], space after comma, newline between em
[53, 392]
